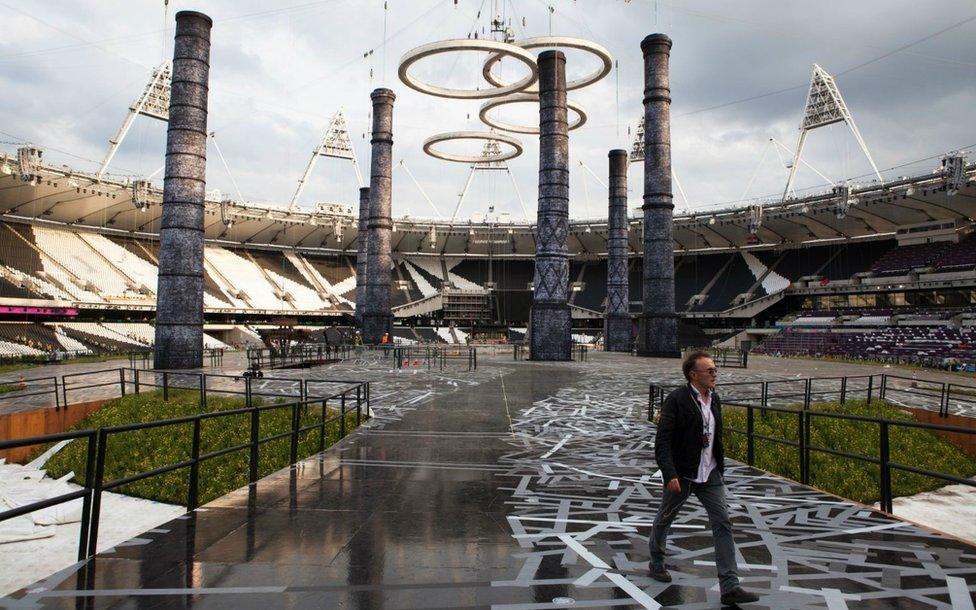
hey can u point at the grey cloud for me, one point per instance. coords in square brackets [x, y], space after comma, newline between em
[280, 73]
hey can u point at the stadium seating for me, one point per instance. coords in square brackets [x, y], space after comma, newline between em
[420, 279]
[734, 279]
[902, 259]
[593, 291]
[959, 256]
[80, 261]
[91, 269]
[692, 275]
[9, 349]
[429, 335]
[919, 344]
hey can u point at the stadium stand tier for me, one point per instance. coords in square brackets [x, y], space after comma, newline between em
[809, 292]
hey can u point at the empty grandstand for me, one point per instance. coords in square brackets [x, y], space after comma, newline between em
[893, 252]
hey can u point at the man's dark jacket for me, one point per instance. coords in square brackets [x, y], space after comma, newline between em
[678, 444]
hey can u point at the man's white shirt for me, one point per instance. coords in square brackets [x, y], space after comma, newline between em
[707, 462]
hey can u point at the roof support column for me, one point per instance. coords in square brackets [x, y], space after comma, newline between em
[361, 244]
[377, 316]
[658, 324]
[617, 327]
[179, 304]
[551, 330]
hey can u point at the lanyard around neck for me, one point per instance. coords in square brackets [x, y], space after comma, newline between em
[701, 407]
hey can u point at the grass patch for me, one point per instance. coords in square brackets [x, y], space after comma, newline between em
[138, 451]
[842, 476]
[6, 388]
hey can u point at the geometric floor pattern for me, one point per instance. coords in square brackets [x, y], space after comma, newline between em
[585, 496]
[519, 486]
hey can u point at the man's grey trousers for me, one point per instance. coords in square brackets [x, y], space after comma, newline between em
[711, 494]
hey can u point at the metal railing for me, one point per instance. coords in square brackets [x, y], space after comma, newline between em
[782, 392]
[298, 356]
[142, 358]
[522, 351]
[85, 493]
[435, 357]
[883, 460]
[796, 396]
[352, 396]
[725, 358]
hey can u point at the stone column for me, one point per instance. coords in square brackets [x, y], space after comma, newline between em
[616, 317]
[658, 324]
[361, 242]
[551, 332]
[377, 315]
[179, 294]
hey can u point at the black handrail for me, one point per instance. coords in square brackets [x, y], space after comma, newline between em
[879, 386]
[301, 355]
[724, 357]
[85, 493]
[26, 390]
[353, 393]
[804, 417]
[434, 356]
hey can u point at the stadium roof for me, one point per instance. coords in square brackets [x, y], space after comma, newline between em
[872, 211]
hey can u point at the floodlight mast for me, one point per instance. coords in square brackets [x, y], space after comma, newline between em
[825, 106]
[335, 143]
[153, 103]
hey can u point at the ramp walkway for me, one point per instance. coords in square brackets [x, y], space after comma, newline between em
[518, 486]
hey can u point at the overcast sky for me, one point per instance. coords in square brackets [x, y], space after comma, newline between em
[280, 70]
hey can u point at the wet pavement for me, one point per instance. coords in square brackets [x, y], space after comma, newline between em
[520, 485]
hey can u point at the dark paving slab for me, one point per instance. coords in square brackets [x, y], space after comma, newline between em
[519, 486]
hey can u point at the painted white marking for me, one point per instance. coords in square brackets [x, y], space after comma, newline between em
[557, 447]
[633, 590]
[959, 596]
[587, 579]
[746, 566]
[836, 600]
[583, 552]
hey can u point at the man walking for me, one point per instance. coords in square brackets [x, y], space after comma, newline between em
[688, 449]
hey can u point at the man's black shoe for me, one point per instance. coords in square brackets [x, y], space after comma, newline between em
[659, 573]
[739, 595]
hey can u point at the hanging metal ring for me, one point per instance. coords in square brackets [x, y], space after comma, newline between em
[498, 49]
[556, 42]
[472, 135]
[524, 98]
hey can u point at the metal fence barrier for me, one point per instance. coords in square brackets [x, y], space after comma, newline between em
[795, 397]
[435, 357]
[883, 460]
[351, 396]
[578, 351]
[298, 356]
[137, 358]
[804, 392]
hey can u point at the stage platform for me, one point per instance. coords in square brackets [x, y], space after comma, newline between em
[519, 486]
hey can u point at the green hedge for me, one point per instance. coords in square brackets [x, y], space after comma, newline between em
[842, 476]
[138, 451]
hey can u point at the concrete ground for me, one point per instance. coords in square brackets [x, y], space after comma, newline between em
[520, 485]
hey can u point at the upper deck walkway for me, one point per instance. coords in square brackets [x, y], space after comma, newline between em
[520, 486]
